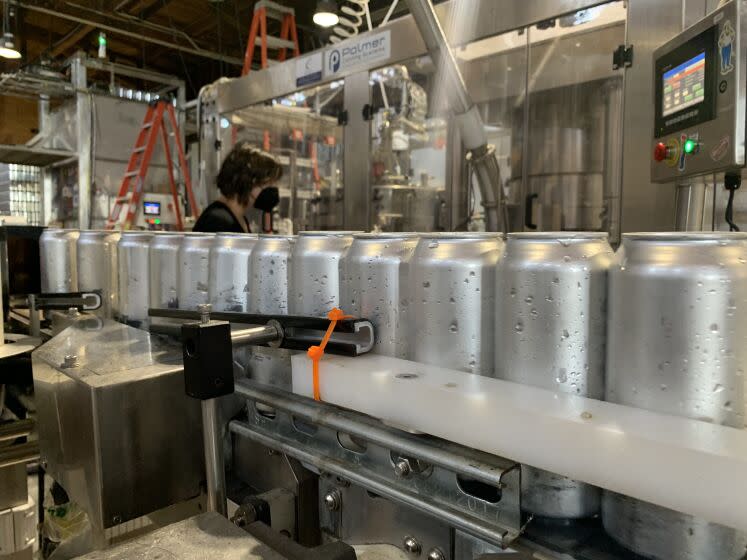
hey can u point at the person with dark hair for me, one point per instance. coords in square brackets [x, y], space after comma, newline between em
[244, 181]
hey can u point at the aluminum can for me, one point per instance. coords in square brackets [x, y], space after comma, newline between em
[374, 279]
[268, 295]
[194, 270]
[165, 270]
[271, 256]
[677, 344]
[551, 296]
[58, 249]
[314, 281]
[97, 268]
[230, 271]
[134, 277]
[452, 300]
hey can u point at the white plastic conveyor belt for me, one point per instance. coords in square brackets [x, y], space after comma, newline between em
[686, 465]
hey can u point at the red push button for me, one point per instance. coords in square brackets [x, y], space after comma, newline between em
[661, 152]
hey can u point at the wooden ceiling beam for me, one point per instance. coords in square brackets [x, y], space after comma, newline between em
[147, 8]
[71, 40]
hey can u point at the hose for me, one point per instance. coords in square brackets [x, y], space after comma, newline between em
[731, 183]
[354, 12]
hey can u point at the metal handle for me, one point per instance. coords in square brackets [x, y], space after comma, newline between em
[529, 210]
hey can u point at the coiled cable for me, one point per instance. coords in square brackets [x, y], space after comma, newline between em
[351, 20]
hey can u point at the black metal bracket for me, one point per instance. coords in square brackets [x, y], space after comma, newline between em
[82, 301]
[622, 57]
[208, 359]
[368, 112]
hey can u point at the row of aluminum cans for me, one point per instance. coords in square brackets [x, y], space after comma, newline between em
[658, 324]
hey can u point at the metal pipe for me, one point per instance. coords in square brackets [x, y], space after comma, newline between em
[18, 454]
[690, 202]
[472, 526]
[13, 430]
[467, 116]
[215, 472]
[327, 416]
[118, 30]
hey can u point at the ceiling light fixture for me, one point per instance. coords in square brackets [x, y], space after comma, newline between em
[7, 44]
[326, 13]
[8, 47]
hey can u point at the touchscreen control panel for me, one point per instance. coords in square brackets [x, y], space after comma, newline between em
[700, 80]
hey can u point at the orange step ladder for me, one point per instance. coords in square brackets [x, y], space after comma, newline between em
[131, 188]
[288, 39]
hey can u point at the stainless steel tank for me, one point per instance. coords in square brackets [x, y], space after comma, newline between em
[551, 299]
[134, 277]
[58, 249]
[677, 344]
[194, 269]
[374, 280]
[97, 268]
[165, 270]
[451, 300]
[268, 294]
[314, 280]
[230, 271]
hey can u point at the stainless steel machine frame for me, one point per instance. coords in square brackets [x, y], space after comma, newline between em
[642, 206]
[405, 43]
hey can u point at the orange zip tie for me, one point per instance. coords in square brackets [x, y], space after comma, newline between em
[316, 352]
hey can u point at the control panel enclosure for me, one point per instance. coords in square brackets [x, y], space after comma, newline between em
[700, 83]
[157, 211]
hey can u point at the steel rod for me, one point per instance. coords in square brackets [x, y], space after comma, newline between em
[215, 473]
[17, 454]
[13, 430]
[331, 417]
[255, 335]
[239, 337]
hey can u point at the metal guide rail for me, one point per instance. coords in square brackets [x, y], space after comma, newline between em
[469, 490]
[352, 336]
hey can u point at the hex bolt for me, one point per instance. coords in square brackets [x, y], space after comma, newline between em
[402, 468]
[204, 309]
[412, 546]
[71, 361]
[333, 500]
[436, 554]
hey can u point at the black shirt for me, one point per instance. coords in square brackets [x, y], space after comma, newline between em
[218, 218]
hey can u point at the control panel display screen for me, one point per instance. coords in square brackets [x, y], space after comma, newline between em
[684, 85]
[152, 208]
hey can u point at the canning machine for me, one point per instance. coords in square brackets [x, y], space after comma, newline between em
[529, 395]
[467, 407]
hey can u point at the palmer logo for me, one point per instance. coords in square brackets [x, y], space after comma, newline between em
[334, 60]
[363, 51]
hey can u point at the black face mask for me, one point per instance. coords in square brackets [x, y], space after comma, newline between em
[268, 198]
